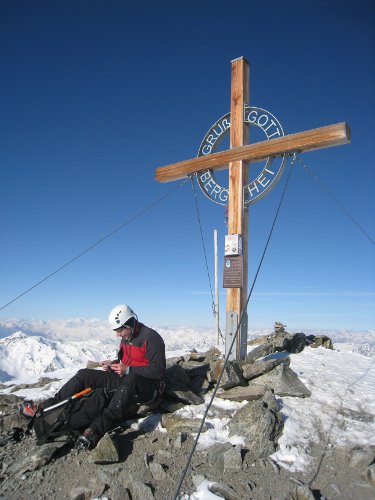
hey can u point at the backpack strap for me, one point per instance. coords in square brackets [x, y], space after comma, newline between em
[54, 432]
[56, 429]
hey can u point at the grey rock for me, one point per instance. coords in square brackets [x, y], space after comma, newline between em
[248, 393]
[362, 416]
[301, 492]
[157, 471]
[262, 339]
[184, 396]
[296, 342]
[260, 423]
[105, 452]
[280, 341]
[232, 375]
[139, 490]
[9, 414]
[223, 490]
[360, 457]
[370, 474]
[97, 486]
[36, 459]
[208, 357]
[181, 438]
[148, 459]
[119, 492]
[194, 369]
[177, 360]
[5, 386]
[194, 355]
[175, 424]
[253, 370]
[42, 381]
[259, 352]
[8, 401]
[171, 406]
[14, 419]
[80, 493]
[197, 479]
[215, 456]
[177, 379]
[284, 382]
[279, 326]
[94, 489]
[321, 341]
[246, 489]
[232, 460]
[165, 454]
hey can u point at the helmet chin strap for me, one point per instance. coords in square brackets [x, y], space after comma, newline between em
[132, 329]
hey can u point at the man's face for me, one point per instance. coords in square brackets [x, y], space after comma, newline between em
[124, 332]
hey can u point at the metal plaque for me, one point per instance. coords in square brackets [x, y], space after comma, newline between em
[233, 272]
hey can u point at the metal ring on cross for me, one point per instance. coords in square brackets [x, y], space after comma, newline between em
[271, 172]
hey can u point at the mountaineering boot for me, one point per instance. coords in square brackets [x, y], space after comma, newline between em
[89, 439]
[28, 408]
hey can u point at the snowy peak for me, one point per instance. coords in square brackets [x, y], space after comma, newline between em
[23, 356]
[58, 329]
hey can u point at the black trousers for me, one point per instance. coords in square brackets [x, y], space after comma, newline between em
[126, 391]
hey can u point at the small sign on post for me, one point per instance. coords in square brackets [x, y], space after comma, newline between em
[233, 272]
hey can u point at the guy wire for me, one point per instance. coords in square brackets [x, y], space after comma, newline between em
[203, 245]
[234, 337]
[148, 207]
[338, 203]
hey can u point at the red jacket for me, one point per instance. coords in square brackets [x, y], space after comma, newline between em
[144, 353]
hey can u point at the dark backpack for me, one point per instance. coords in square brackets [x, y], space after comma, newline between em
[72, 418]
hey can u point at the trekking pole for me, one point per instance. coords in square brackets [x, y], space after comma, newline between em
[75, 396]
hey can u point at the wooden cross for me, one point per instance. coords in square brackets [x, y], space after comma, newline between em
[238, 157]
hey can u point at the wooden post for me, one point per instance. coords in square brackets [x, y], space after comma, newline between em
[237, 215]
[237, 156]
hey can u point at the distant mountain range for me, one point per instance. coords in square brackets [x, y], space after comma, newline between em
[29, 349]
[28, 357]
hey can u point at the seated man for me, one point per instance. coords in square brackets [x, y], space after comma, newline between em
[133, 377]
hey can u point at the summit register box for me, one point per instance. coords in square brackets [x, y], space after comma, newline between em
[233, 262]
[233, 244]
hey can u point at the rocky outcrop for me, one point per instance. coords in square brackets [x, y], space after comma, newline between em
[155, 459]
[320, 340]
[284, 381]
[260, 423]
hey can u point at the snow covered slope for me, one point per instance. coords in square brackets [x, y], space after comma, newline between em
[28, 357]
[342, 381]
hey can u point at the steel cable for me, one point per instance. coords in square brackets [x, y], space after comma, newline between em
[338, 203]
[203, 245]
[226, 360]
[148, 207]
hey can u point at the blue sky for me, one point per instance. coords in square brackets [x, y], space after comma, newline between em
[95, 95]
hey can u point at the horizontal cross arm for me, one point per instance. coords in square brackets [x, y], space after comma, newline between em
[318, 138]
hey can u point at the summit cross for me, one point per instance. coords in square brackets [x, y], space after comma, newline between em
[237, 160]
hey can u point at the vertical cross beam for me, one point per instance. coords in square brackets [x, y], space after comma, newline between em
[237, 214]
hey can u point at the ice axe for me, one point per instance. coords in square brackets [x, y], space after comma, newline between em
[72, 398]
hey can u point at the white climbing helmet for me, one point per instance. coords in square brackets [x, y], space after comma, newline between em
[120, 315]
